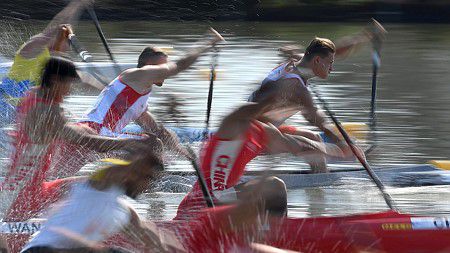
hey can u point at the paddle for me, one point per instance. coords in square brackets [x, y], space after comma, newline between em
[192, 157]
[99, 81]
[376, 61]
[377, 41]
[372, 116]
[102, 36]
[362, 160]
[83, 53]
[212, 77]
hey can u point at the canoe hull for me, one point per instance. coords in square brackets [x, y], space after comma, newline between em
[377, 232]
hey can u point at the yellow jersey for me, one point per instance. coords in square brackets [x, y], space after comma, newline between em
[29, 69]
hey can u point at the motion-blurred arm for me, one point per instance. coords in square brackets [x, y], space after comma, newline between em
[145, 76]
[46, 123]
[59, 26]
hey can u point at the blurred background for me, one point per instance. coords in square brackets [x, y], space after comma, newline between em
[267, 10]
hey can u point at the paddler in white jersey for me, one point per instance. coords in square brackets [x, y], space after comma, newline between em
[41, 127]
[289, 82]
[96, 212]
[96, 209]
[125, 99]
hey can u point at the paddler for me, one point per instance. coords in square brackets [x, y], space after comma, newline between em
[345, 46]
[239, 139]
[238, 227]
[96, 209]
[41, 126]
[125, 99]
[289, 83]
[31, 57]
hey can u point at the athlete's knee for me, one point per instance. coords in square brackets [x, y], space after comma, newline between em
[275, 196]
[275, 184]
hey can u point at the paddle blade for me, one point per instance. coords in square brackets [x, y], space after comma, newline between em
[356, 130]
[206, 73]
[441, 164]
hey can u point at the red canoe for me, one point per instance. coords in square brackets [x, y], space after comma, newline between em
[378, 232]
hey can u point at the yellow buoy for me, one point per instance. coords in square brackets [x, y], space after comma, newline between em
[356, 130]
[441, 164]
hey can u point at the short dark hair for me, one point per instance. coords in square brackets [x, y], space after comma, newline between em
[319, 46]
[59, 67]
[147, 54]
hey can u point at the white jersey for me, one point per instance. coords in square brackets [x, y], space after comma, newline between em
[281, 72]
[116, 106]
[92, 214]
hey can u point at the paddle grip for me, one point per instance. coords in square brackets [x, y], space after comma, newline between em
[83, 53]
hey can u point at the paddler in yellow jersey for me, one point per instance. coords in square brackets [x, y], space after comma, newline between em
[31, 57]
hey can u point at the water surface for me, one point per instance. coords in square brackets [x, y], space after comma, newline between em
[413, 98]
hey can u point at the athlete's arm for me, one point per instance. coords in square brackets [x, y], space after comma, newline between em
[234, 124]
[345, 46]
[72, 134]
[349, 44]
[145, 76]
[170, 140]
[154, 239]
[298, 145]
[39, 42]
[47, 123]
[291, 52]
[314, 115]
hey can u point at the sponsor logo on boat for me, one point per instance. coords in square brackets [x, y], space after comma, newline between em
[430, 222]
[396, 226]
[20, 227]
